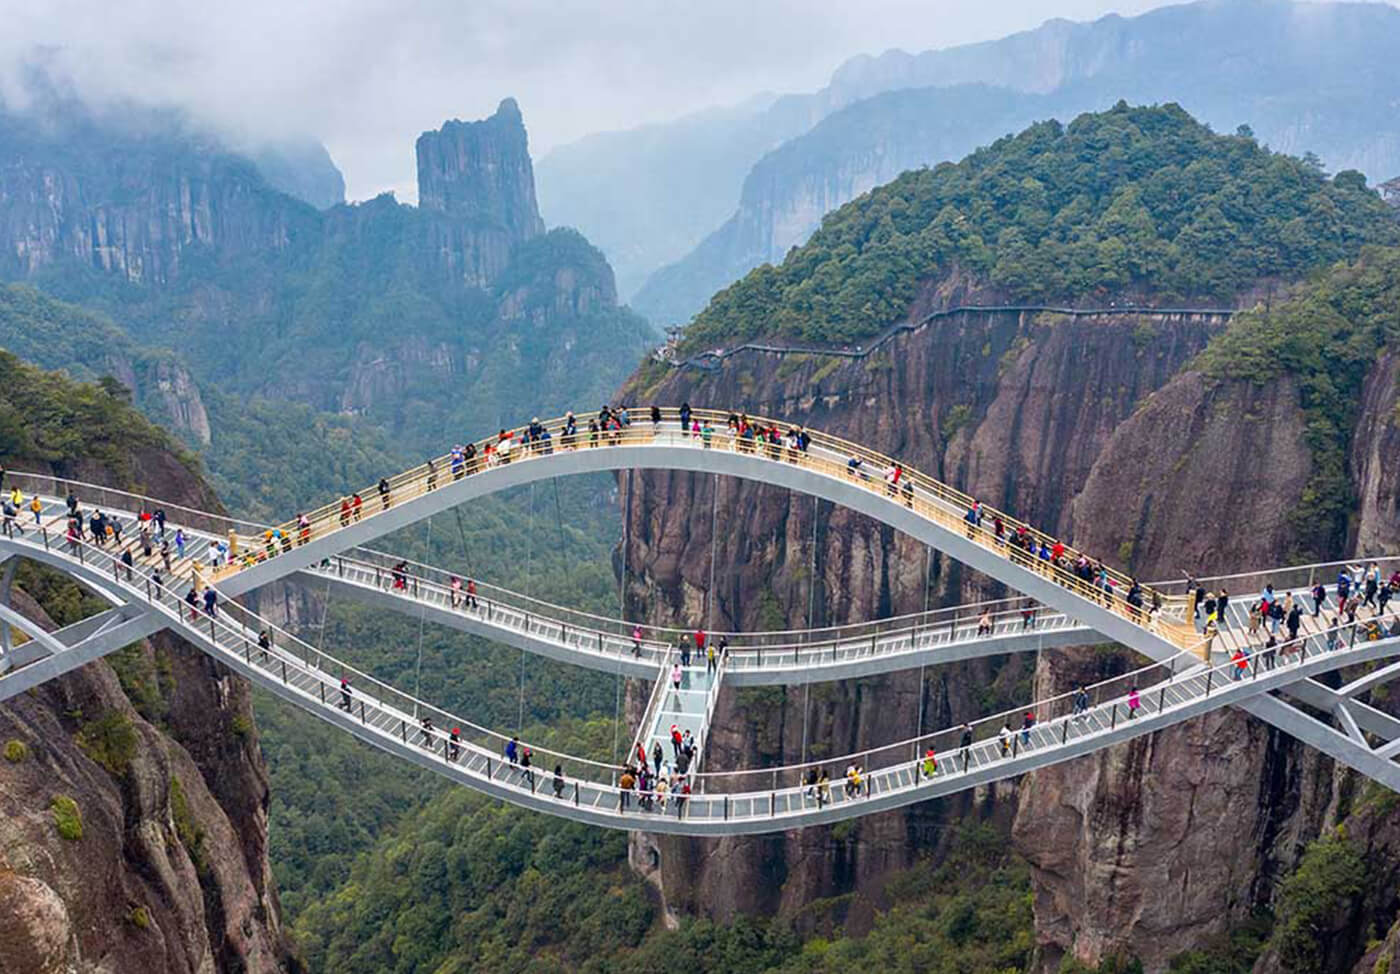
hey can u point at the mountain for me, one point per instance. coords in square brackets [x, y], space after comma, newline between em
[853, 150]
[1303, 76]
[647, 196]
[1134, 432]
[133, 790]
[301, 168]
[430, 321]
[1130, 204]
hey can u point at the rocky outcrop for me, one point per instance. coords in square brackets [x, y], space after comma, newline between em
[160, 197]
[133, 796]
[168, 869]
[1014, 408]
[478, 175]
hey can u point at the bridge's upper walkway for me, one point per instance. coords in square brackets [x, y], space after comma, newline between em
[847, 473]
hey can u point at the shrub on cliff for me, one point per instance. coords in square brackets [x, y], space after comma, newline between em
[1129, 201]
[66, 817]
[1315, 899]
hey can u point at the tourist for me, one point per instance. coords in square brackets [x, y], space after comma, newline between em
[1134, 702]
[1081, 703]
[558, 781]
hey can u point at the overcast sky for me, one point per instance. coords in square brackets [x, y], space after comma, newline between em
[367, 76]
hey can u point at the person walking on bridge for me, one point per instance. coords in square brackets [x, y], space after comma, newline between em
[637, 642]
[37, 507]
[558, 781]
[625, 785]
[345, 694]
[384, 492]
[454, 744]
[1081, 703]
[675, 676]
[700, 637]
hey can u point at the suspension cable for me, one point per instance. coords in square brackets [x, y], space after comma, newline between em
[622, 606]
[422, 621]
[811, 611]
[928, 559]
[714, 546]
[529, 591]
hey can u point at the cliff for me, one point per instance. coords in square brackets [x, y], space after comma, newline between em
[133, 795]
[1016, 408]
[1163, 443]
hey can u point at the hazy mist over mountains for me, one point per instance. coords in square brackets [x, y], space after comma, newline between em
[1305, 77]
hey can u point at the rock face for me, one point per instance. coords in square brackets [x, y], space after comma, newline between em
[1094, 429]
[479, 176]
[159, 196]
[151, 767]
[1015, 409]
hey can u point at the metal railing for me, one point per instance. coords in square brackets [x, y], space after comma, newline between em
[392, 714]
[952, 509]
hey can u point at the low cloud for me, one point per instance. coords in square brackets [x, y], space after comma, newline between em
[366, 76]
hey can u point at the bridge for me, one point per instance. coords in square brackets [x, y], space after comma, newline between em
[1187, 673]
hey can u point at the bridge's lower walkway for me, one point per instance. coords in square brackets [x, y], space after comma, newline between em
[751, 801]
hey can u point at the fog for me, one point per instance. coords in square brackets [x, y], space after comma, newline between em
[365, 76]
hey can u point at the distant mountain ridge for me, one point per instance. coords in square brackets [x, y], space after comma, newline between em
[1303, 76]
[451, 317]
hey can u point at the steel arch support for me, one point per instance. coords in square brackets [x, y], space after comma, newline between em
[120, 627]
[1331, 742]
[689, 457]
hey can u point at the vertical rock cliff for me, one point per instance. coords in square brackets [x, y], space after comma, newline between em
[133, 796]
[478, 175]
[1014, 408]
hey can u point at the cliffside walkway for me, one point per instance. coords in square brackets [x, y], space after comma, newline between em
[711, 361]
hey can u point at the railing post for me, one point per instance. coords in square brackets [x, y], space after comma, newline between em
[1162, 700]
[323, 691]
[1113, 721]
[284, 671]
[1064, 733]
[726, 808]
[1210, 674]
[576, 794]
[772, 804]
[490, 775]
[45, 533]
[362, 711]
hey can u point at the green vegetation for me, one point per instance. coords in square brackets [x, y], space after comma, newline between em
[1125, 203]
[1315, 900]
[110, 741]
[51, 419]
[187, 829]
[1323, 339]
[16, 751]
[66, 817]
[472, 885]
[1234, 953]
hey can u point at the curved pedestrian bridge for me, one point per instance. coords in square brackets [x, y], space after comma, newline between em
[1175, 686]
